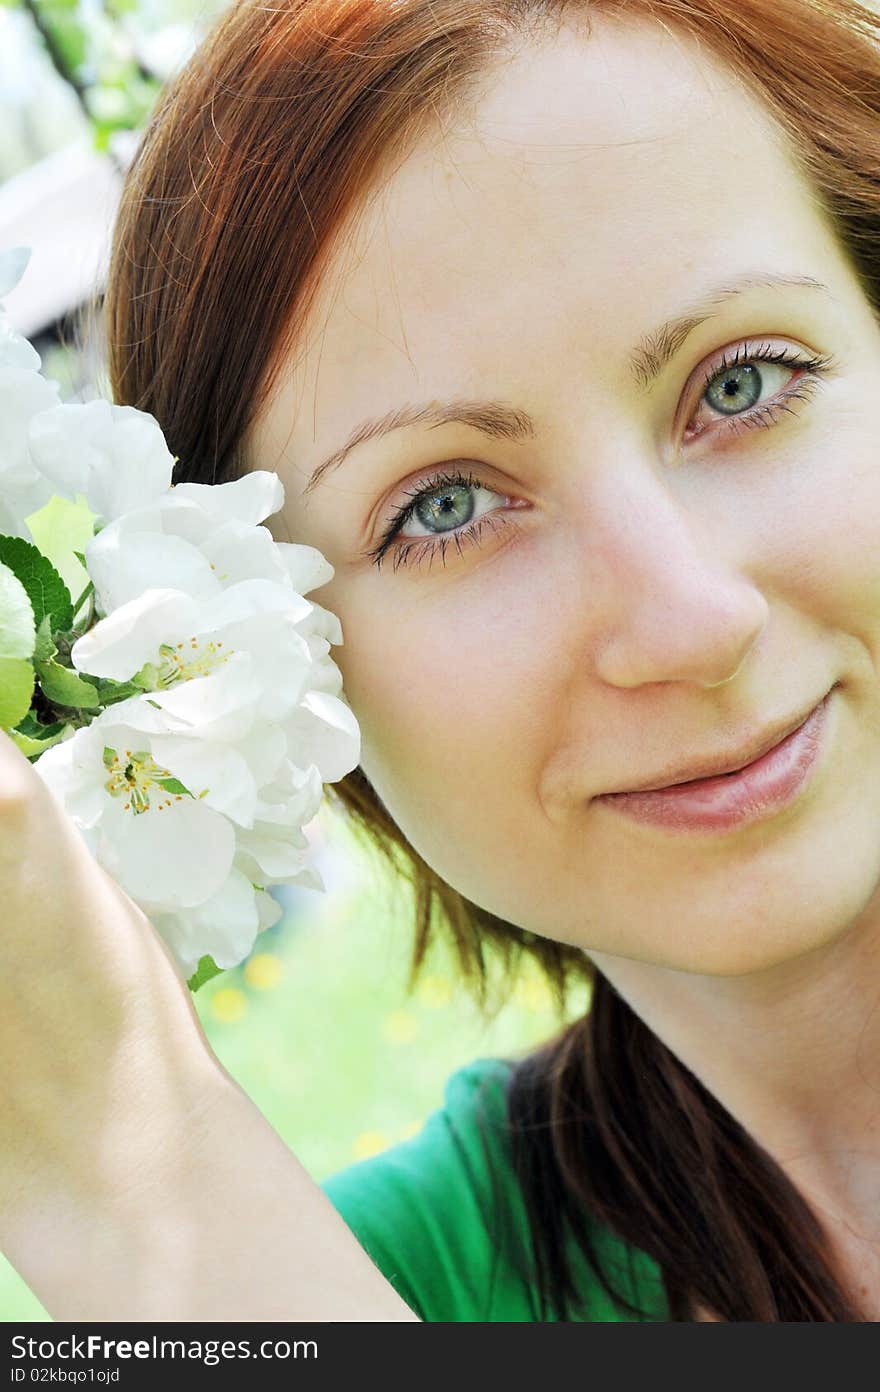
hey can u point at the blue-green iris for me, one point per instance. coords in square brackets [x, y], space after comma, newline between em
[446, 508]
[735, 389]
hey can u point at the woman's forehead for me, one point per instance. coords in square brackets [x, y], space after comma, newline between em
[599, 183]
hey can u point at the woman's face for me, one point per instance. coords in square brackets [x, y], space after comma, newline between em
[635, 571]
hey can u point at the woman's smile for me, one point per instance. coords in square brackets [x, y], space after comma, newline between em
[757, 790]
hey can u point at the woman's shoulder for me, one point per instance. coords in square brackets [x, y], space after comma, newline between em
[440, 1214]
[444, 1218]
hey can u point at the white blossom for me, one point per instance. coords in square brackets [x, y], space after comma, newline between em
[162, 841]
[15, 351]
[13, 263]
[200, 538]
[224, 927]
[194, 792]
[115, 456]
[24, 394]
[239, 648]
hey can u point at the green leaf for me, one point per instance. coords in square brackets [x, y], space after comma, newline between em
[18, 629]
[30, 725]
[111, 691]
[45, 648]
[46, 590]
[33, 748]
[33, 727]
[63, 687]
[62, 530]
[16, 690]
[206, 969]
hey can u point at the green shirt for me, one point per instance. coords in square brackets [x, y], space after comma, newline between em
[443, 1218]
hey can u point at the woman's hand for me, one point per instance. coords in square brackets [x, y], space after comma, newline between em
[137, 1181]
[101, 1052]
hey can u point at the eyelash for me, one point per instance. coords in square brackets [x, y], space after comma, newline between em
[415, 549]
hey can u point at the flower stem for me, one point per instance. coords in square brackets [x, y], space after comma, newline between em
[83, 597]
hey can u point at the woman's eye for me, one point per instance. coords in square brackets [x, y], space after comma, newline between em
[446, 508]
[754, 387]
[451, 508]
[741, 387]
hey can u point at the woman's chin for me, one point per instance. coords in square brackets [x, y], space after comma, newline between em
[723, 944]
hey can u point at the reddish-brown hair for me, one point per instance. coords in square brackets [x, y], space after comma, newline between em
[250, 171]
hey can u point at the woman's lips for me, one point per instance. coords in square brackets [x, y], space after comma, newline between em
[732, 799]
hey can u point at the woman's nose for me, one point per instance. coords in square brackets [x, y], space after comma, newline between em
[679, 609]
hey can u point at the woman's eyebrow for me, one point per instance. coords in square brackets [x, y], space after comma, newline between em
[656, 349]
[501, 421]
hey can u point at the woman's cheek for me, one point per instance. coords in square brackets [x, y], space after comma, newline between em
[829, 534]
[452, 688]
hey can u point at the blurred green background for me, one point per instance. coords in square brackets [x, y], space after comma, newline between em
[316, 1026]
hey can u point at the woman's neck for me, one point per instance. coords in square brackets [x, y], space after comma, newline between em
[793, 1054]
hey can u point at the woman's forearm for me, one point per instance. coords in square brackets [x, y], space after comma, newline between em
[137, 1180]
[221, 1222]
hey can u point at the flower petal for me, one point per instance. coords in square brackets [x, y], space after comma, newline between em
[324, 728]
[13, 263]
[171, 859]
[229, 695]
[225, 926]
[268, 857]
[120, 561]
[268, 909]
[216, 774]
[115, 455]
[120, 645]
[249, 499]
[15, 351]
[306, 566]
[250, 598]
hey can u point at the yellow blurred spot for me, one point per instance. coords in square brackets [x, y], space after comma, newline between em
[369, 1143]
[228, 1004]
[263, 971]
[434, 991]
[412, 1129]
[533, 993]
[400, 1026]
